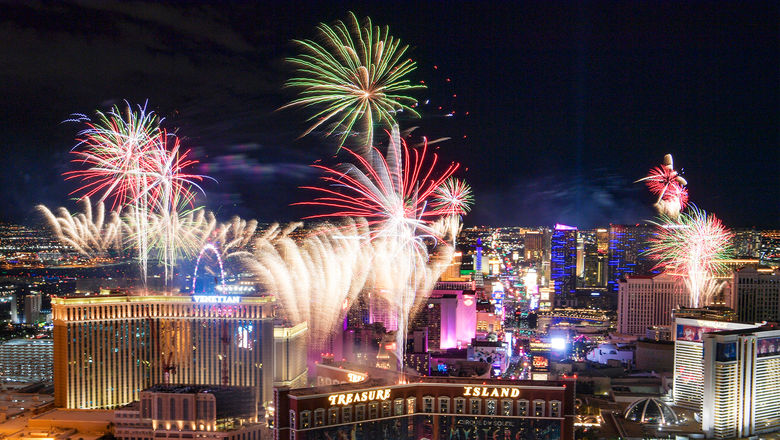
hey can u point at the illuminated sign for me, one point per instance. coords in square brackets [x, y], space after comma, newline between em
[354, 377]
[491, 391]
[365, 396]
[540, 362]
[222, 299]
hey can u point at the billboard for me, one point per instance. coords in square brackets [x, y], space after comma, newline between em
[693, 333]
[768, 347]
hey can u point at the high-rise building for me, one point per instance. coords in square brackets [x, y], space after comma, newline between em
[627, 252]
[534, 246]
[756, 295]
[109, 348]
[648, 301]
[32, 308]
[563, 264]
[688, 334]
[741, 375]
[594, 259]
[26, 360]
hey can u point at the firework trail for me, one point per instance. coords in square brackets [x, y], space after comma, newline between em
[91, 235]
[453, 199]
[356, 75]
[234, 236]
[693, 247]
[394, 193]
[313, 279]
[666, 183]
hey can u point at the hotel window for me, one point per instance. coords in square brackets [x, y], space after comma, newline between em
[386, 408]
[506, 407]
[159, 408]
[346, 414]
[373, 410]
[555, 408]
[538, 408]
[522, 408]
[490, 407]
[398, 407]
[444, 405]
[475, 406]
[319, 417]
[427, 404]
[333, 416]
[411, 405]
[305, 419]
[460, 405]
[360, 412]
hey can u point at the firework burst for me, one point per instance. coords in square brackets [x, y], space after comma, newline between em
[666, 183]
[355, 76]
[693, 246]
[128, 158]
[452, 200]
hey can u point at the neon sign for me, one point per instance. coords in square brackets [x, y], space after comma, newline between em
[365, 396]
[354, 377]
[491, 391]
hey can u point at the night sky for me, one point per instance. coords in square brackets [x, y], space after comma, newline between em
[568, 103]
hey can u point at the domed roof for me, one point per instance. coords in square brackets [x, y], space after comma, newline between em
[651, 411]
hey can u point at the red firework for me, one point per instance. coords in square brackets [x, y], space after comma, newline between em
[393, 189]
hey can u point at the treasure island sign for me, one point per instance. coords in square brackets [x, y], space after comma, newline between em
[491, 391]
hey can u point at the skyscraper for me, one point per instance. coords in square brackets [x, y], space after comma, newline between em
[563, 264]
[627, 247]
[109, 348]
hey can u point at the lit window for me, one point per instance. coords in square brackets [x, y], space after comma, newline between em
[460, 405]
[398, 407]
[475, 406]
[411, 405]
[444, 405]
[373, 409]
[346, 414]
[522, 408]
[333, 416]
[386, 409]
[360, 412]
[555, 408]
[490, 407]
[538, 408]
[506, 407]
[427, 404]
[319, 416]
[305, 419]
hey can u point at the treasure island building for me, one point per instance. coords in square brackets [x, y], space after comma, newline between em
[427, 407]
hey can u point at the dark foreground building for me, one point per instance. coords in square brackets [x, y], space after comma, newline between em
[427, 407]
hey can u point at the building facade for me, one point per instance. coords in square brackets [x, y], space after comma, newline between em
[27, 360]
[648, 301]
[186, 411]
[741, 377]
[434, 408]
[756, 295]
[109, 348]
